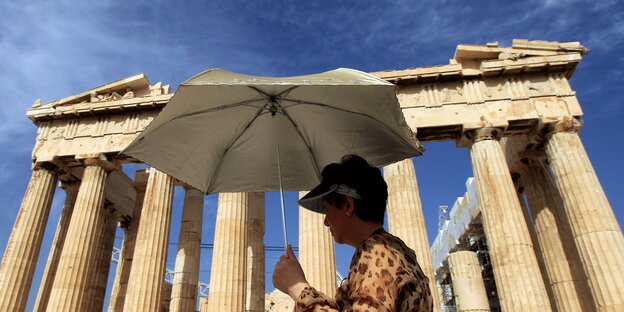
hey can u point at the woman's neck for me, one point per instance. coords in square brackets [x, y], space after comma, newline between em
[361, 231]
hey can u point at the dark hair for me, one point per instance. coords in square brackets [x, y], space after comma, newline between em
[355, 172]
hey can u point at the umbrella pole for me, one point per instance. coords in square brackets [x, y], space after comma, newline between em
[279, 174]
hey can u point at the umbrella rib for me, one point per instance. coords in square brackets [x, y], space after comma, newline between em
[218, 169]
[314, 161]
[208, 110]
[301, 102]
[285, 92]
[221, 107]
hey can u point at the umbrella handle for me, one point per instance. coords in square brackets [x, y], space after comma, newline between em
[279, 175]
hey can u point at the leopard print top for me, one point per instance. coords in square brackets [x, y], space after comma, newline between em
[383, 276]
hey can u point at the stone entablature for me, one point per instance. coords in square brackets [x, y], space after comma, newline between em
[102, 120]
[107, 134]
[518, 89]
[491, 60]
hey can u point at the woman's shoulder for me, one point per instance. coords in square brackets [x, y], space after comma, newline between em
[384, 248]
[387, 266]
[383, 241]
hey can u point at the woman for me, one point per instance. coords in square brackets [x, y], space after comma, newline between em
[384, 274]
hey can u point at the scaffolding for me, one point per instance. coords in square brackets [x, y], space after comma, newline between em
[461, 229]
[443, 217]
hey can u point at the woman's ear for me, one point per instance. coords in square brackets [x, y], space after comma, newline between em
[349, 205]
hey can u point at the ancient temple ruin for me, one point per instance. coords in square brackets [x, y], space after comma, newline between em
[512, 107]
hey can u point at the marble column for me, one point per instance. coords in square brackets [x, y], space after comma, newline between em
[468, 286]
[77, 268]
[536, 247]
[103, 258]
[184, 290]
[229, 260]
[22, 250]
[166, 298]
[518, 277]
[596, 232]
[316, 251]
[561, 261]
[43, 295]
[120, 285]
[406, 219]
[255, 253]
[145, 284]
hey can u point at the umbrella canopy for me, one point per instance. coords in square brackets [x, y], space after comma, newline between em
[221, 130]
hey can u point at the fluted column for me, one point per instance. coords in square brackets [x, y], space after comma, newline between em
[22, 250]
[145, 285]
[536, 247]
[166, 297]
[184, 289]
[468, 286]
[518, 277]
[316, 251]
[255, 253]
[595, 229]
[124, 265]
[45, 287]
[107, 239]
[406, 219]
[561, 260]
[229, 261]
[77, 265]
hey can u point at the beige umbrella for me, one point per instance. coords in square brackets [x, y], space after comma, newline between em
[228, 132]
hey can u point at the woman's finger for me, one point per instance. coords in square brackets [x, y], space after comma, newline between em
[290, 253]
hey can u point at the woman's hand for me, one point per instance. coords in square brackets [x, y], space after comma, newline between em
[288, 275]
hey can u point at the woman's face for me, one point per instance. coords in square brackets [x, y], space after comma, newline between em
[337, 220]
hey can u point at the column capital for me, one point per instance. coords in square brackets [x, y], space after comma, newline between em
[486, 133]
[57, 166]
[140, 179]
[566, 124]
[45, 165]
[99, 160]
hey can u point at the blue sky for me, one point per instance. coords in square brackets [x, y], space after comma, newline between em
[53, 49]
